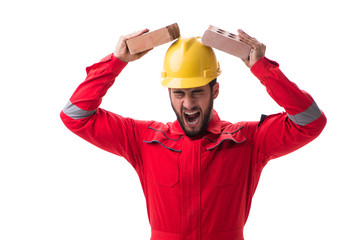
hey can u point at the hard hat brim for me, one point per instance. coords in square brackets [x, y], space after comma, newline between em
[186, 82]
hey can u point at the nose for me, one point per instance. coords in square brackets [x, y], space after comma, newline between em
[188, 103]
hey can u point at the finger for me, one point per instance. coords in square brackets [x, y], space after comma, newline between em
[143, 53]
[253, 42]
[135, 34]
[240, 31]
[248, 41]
[246, 36]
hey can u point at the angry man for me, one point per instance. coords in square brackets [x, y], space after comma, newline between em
[198, 173]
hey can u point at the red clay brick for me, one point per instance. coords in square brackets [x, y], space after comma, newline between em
[226, 42]
[153, 39]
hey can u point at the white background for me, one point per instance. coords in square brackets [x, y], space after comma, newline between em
[54, 185]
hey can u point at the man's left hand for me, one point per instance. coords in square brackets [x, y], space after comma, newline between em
[258, 49]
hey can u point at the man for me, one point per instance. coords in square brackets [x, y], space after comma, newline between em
[198, 173]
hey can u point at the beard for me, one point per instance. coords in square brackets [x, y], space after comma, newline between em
[205, 118]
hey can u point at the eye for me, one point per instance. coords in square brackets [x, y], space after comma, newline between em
[179, 94]
[197, 93]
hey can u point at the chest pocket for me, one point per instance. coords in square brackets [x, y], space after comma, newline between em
[161, 158]
[230, 158]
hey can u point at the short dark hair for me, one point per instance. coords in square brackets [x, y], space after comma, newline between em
[212, 83]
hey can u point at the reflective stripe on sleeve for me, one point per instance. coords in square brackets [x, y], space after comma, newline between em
[75, 112]
[308, 116]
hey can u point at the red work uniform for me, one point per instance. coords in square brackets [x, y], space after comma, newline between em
[196, 188]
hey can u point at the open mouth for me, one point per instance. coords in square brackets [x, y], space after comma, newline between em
[192, 117]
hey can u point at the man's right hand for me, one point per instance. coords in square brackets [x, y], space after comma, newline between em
[121, 50]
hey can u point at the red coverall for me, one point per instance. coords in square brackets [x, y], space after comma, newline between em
[196, 188]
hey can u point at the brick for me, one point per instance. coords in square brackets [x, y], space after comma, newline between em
[226, 42]
[153, 39]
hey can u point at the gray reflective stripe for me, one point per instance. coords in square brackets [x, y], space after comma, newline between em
[306, 117]
[75, 112]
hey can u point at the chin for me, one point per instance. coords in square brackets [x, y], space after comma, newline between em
[192, 133]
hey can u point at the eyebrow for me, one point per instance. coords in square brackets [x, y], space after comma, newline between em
[178, 91]
[183, 92]
[197, 91]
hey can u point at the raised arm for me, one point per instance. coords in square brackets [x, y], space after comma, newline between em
[102, 128]
[282, 133]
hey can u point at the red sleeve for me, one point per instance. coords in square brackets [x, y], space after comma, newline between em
[100, 77]
[283, 133]
[102, 128]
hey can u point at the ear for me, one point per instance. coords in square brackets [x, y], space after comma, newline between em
[216, 90]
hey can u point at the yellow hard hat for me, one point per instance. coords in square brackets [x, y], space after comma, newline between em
[189, 63]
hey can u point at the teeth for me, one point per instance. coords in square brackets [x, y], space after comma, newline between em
[188, 117]
[190, 123]
[191, 113]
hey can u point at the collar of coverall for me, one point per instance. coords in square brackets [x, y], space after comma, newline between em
[214, 126]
